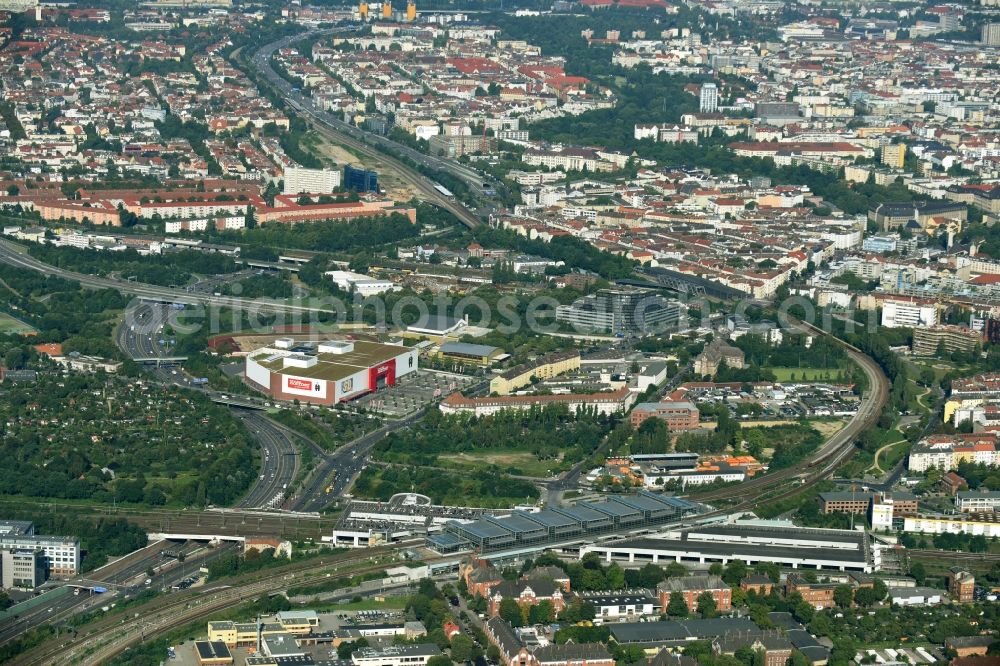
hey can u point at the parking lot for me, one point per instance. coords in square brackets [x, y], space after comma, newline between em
[413, 392]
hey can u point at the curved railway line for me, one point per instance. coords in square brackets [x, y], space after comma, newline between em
[827, 459]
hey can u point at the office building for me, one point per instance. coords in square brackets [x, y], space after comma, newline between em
[299, 180]
[22, 568]
[678, 415]
[360, 180]
[717, 352]
[622, 312]
[975, 501]
[709, 98]
[61, 553]
[396, 655]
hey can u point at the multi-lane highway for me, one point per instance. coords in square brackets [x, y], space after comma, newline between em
[123, 578]
[100, 641]
[363, 142]
[10, 255]
[338, 470]
[279, 461]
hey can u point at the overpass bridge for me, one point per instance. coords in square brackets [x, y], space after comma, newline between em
[159, 360]
[211, 538]
[234, 401]
[269, 265]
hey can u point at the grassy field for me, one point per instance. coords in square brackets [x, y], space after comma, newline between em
[516, 462]
[805, 374]
[9, 325]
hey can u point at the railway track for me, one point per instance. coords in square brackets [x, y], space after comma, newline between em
[110, 636]
[824, 462]
[339, 133]
[952, 556]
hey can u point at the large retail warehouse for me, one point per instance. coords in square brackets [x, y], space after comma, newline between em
[329, 372]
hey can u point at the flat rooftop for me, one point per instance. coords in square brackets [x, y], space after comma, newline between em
[331, 367]
[739, 550]
[670, 630]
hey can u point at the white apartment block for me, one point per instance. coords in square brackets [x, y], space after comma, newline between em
[896, 314]
[299, 180]
[928, 454]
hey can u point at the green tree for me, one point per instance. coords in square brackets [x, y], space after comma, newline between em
[843, 595]
[919, 572]
[439, 660]
[706, 605]
[677, 606]
[511, 612]
[461, 648]
[542, 613]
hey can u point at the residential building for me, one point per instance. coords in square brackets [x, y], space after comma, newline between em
[773, 646]
[708, 101]
[961, 585]
[611, 402]
[893, 155]
[758, 583]
[818, 595]
[969, 646]
[479, 575]
[691, 587]
[299, 180]
[928, 341]
[544, 367]
[527, 592]
[945, 452]
[901, 314]
[512, 652]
